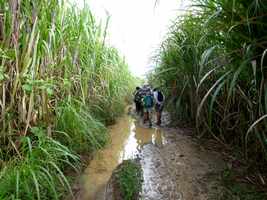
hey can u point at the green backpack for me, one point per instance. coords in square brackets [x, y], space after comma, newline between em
[148, 101]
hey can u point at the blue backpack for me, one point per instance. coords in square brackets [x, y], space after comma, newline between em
[160, 96]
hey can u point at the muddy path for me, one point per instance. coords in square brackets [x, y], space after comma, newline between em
[175, 166]
[180, 169]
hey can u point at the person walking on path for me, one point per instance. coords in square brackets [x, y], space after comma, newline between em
[138, 101]
[159, 104]
[148, 103]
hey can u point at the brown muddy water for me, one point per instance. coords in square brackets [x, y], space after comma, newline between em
[175, 166]
[127, 141]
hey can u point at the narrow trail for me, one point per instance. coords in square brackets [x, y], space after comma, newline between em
[175, 167]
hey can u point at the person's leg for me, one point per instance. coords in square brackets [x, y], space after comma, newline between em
[150, 117]
[141, 110]
[160, 114]
[157, 113]
[158, 118]
[159, 109]
[137, 107]
[145, 115]
[150, 121]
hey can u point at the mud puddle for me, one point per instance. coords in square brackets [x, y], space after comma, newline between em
[175, 167]
[127, 141]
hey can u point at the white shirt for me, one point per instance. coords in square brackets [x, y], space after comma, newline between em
[155, 94]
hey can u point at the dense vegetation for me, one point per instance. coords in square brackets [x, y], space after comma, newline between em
[60, 85]
[212, 66]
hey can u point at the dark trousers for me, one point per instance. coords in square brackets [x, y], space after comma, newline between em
[139, 108]
[159, 109]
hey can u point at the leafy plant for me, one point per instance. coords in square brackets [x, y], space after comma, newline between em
[37, 174]
[56, 73]
[212, 67]
[129, 178]
[78, 130]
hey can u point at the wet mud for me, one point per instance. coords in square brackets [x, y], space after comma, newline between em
[175, 167]
[180, 169]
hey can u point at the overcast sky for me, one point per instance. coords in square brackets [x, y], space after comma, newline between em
[137, 27]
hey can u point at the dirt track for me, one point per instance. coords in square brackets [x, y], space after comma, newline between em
[180, 169]
[175, 166]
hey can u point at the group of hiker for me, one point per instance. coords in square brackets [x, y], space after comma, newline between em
[145, 100]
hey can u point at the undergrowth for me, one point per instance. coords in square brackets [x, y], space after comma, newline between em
[61, 84]
[234, 189]
[129, 179]
[212, 67]
[37, 172]
[78, 129]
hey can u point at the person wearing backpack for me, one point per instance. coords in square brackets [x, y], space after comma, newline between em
[138, 101]
[159, 104]
[148, 103]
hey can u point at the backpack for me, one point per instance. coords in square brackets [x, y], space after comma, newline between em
[148, 101]
[137, 96]
[160, 96]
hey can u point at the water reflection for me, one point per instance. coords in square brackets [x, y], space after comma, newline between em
[127, 140]
[139, 137]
